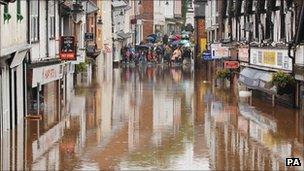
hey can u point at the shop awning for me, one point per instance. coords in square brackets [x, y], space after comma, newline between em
[256, 79]
[247, 77]
[18, 58]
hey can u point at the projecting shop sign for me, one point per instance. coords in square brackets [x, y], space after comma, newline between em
[68, 48]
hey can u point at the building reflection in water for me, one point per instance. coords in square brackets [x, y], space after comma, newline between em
[156, 118]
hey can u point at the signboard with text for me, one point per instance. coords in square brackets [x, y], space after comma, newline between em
[44, 75]
[231, 64]
[207, 56]
[244, 54]
[67, 48]
[272, 58]
[218, 51]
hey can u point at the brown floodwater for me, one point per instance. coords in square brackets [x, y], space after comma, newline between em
[156, 117]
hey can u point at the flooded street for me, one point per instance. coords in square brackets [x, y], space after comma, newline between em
[156, 117]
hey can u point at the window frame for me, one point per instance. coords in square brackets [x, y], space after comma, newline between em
[34, 34]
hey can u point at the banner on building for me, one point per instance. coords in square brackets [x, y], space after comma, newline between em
[68, 48]
[273, 58]
[218, 51]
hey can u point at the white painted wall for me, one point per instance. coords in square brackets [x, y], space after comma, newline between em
[159, 12]
[39, 49]
[12, 33]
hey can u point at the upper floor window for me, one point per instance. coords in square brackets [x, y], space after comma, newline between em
[34, 20]
[52, 22]
[19, 15]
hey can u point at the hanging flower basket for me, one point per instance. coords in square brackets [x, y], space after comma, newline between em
[223, 74]
[284, 83]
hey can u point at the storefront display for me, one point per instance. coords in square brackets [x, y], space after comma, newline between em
[47, 80]
[272, 58]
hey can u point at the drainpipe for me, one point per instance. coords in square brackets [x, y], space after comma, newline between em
[47, 27]
[0, 38]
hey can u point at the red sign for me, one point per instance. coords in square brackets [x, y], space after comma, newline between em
[67, 48]
[231, 64]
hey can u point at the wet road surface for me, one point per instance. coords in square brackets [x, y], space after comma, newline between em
[157, 118]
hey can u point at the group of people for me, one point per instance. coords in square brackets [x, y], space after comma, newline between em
[161, 52]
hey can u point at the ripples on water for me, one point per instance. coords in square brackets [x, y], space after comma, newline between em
[159, 118]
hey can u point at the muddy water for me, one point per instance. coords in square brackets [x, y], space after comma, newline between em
[158, 118]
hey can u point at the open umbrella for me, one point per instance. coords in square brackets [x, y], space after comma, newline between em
[150, 39]
[141, 47]
[184, 42]
[178, 37]
[174, 43]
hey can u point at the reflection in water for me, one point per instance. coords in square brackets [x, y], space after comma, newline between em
[157, 118]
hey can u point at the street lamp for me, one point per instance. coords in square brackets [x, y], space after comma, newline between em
[99, 21]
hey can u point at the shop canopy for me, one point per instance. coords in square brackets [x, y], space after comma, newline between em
[256, 79]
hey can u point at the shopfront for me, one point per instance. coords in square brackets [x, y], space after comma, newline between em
[45, 82]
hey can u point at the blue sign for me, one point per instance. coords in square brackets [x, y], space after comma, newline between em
[207, 56]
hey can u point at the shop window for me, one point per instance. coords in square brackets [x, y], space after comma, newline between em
[260, 57]
[286, 62]
[280, 59]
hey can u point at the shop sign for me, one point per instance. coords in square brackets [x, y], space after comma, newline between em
[231, 64]
[218, 51]
[272, 58]
[44, 75]
[244, 54]
[67, 48]
[207, 56]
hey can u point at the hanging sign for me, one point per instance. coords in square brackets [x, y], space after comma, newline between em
[67, 48]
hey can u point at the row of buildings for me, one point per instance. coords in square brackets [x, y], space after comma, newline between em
[264, 36]
[37, 70]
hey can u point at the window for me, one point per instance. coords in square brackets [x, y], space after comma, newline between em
[260, 57]
[52, 27]
[280, 59]
[34, 21]
[19, 16]
[51, 14]
[283, 26]
[6, 15]
[286, 62]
